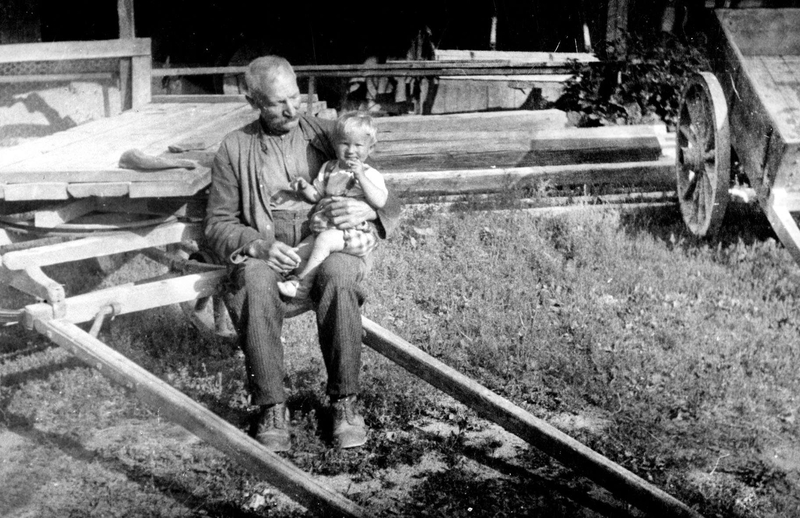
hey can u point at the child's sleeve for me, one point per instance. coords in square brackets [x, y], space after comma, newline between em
[376, 178]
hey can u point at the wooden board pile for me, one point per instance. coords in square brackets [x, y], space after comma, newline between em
[496, 152]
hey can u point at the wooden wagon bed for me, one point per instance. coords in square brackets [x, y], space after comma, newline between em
[759, 71]
[83, 161]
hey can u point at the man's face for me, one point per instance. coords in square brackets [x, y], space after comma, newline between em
[279, 104]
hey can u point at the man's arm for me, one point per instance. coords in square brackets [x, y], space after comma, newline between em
[223, 227]
[349, 212]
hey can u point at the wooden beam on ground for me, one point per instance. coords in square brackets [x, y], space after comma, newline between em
[512, 120]
[657, 174]
[517, 149]
[624, 484]
[95, 246]
[181, 409]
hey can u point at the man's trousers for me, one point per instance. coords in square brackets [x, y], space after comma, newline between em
[258, 314]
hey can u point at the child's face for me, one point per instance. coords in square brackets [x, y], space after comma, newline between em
[353, 146]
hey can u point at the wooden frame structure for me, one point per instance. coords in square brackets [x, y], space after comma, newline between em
[133, 71]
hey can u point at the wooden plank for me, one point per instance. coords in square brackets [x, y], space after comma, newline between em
[512, 120]
[786, 81]
[179, 408]
[171, 189]
[657, 174]
[129, 298]
[394, 69]
[96, 246]
[623, 483]
[208, 98]
[513, 56]
[91, 176]
[125, 91]
[35, 191]
[53, 216]
[140, 81]
[107, 189]
[52, 78]
[71, 50]
[457, 158]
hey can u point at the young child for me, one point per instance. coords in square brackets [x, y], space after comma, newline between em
[348, 175]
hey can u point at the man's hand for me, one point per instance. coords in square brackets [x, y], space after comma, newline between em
[279, 256]
[346, 213]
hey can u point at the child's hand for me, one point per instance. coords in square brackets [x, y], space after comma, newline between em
[300, 184]
[356, 165]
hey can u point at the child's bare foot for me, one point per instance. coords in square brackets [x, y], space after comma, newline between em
[302, 291]
[289, 288]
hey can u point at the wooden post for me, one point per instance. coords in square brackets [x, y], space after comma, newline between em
[196, 418]
[127, 29]
[616, 19]
[140, 80]
[312, 87]
[545, 437]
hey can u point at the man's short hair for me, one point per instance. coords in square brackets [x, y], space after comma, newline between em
[355, 122]
[262, 71]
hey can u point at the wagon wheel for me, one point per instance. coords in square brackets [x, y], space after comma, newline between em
[703, 154]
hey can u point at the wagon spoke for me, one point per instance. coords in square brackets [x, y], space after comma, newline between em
[687, 134]
[710, 156]
[699, 201]
[697, 115]
[691, 187]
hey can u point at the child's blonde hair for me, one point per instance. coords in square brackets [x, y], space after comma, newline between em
[355, 123]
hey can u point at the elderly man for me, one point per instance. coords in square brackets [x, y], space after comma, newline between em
[254, 219]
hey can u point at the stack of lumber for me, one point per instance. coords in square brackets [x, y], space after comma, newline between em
[494, 152]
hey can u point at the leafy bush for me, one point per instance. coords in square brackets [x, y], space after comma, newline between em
[637, 81]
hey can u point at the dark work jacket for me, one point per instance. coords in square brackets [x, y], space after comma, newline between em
[238, 211]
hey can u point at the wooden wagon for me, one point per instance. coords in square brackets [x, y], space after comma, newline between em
[750, 103]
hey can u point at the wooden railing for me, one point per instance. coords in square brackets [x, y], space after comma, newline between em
[393, 69]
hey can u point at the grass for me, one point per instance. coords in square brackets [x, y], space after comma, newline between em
[686, 345]
[685, 348]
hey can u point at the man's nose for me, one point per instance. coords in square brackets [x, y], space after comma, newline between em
[291, 110]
